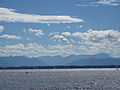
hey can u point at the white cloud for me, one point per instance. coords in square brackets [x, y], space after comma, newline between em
[86, 3]
[66, 33]
[98, 36]
[89, 42]
[94, 41]
[76, 34]
[108, 2]
[37, 32]
[6, 36]
[104, 41]
[35, 50]
[60, 38]
[1, 28]
[9, 15]
[17, 46]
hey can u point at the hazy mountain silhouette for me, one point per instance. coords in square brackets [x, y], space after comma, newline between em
[20, 61]
[94, 61]
[97, 59]
[59, 60]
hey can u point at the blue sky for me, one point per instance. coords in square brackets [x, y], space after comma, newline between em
[59, 27]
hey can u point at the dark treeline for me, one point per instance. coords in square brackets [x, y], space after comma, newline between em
[61, 67]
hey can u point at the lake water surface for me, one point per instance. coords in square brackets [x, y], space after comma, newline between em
[60, 79]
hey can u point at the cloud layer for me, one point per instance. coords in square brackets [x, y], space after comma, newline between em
[9, 15]
[7, 36]
[98, 36]
[94, 41]
[35, 50]
[89, 42]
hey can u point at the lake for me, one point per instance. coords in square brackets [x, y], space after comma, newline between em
[60, 79]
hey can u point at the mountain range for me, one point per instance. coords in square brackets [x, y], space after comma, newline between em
[79, 60]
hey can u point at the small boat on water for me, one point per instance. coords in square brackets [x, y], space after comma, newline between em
[117, 68]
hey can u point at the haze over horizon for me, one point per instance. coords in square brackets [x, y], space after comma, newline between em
[35, 28]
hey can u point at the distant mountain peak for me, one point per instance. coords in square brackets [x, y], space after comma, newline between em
[96, 59]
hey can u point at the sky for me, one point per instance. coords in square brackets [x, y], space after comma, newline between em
[35, 28]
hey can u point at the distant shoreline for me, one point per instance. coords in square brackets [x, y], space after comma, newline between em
[61, 67]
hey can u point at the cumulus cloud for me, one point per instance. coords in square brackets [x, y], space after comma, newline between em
[9, 15]
[35, 50]
[103, 41]
[60, 38]
[37, 32]
[1, 28]
[89, 42]
[98, 36]
[66, 33]
[29, 50]
[94, 41]
[6, 36]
